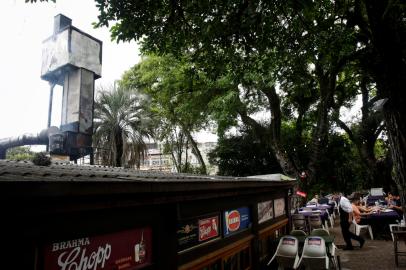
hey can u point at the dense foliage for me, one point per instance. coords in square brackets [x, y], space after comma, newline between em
[299, 62]
[20, 153]
[243, 155]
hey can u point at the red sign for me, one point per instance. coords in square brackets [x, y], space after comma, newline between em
[208, 228]
[125, 250]
[234, 220]
[301, 193]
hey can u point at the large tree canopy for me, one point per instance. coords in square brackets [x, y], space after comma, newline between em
[306, 49]
[254, 46]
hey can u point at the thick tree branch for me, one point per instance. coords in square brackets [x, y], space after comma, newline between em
[344, 126]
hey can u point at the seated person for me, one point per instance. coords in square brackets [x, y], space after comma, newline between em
[358, 210]
[389, 198]
[314, 200]
[395, 204]
[323, 200]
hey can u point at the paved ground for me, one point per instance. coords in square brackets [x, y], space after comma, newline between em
[376, 254]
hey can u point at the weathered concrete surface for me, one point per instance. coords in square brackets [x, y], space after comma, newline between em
[375, 254]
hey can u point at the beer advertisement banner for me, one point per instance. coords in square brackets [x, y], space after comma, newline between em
[236, 220]
[279, 205]
[127, 250]
[265, 211]
[195, 231]
[208, 228]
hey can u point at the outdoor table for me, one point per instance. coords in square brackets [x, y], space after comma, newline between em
[380, 221]
[328, 207]
[323, 214]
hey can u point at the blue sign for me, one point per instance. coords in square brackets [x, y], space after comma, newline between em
[236, 220]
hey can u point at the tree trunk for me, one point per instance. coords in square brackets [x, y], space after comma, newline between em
[119, 148]
[195, 150]
[280, 153]
[365, 136]
[388, 40]
[320, 132]
[395, 123]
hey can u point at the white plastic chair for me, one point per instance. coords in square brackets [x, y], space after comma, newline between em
[330, 219]
[391, 229]
[400, 224]
[299, 222]
[316, 222]
[298, 233]
[287, 253]
[314, 254]
[332, 248]
[358, 229]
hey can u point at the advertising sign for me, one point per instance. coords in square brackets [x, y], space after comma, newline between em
[208, 228]
[301, 194]
[279, 205]
[265, 211]
[125, 250]
[196, 231]
[236, 220]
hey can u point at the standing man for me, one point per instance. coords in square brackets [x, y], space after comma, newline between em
[345, 223]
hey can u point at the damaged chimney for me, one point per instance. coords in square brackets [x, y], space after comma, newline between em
[73, 59]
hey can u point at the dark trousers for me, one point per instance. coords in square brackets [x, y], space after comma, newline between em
[347, 234]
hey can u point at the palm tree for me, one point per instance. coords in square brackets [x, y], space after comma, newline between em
[121, 123]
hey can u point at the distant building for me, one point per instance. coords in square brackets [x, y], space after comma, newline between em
[156, 160]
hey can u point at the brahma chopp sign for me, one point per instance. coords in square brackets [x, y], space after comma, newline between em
[235, 220]
[125, 250]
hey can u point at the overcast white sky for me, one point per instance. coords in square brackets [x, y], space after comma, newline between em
[23, 27]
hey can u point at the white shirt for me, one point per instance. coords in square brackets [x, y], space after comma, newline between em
[345, 204]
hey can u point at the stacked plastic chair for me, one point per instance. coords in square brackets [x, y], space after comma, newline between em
[314, 254]
[299, 222]
[332, 248]
[315, 222]
[298, 233]
[287, 253]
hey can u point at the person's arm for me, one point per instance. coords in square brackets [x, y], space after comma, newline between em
[364, 209]
[395, 207]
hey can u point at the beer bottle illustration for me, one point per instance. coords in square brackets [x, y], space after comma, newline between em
[142, 251]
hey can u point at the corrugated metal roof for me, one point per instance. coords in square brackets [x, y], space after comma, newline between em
[27, 171]
[30, 186]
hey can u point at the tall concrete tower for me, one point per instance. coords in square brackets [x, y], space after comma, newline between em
[72, 59]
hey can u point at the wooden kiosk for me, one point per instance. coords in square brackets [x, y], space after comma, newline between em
[87, 217]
